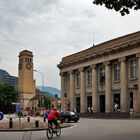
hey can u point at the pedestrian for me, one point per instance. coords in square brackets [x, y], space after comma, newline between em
[46, 114]
[116, 106]
[89, 110]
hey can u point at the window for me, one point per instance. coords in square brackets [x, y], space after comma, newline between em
[89, 78]
[78, 79]
[102, 75]
[133, 69]
[26, 59]
[116, 72]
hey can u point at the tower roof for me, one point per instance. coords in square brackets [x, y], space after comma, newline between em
[25, 52]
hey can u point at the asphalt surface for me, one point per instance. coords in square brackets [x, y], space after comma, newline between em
[86, 129]
[103, 129]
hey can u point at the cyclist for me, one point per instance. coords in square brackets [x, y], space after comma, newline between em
[53, 117]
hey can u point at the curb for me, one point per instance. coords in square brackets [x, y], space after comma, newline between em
[30, 129]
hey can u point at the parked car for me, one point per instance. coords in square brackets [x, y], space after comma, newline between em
[69, 116]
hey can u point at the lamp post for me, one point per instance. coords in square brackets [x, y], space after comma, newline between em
[42, 75]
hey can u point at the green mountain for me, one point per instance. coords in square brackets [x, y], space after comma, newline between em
[50, 90]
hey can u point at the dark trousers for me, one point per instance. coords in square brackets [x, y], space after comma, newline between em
[54, 121]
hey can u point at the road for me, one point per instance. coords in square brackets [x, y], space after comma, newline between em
[86, 129]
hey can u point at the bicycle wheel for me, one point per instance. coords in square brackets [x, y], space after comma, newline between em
[58, 131]
[49, 133]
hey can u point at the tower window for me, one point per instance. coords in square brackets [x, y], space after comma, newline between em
[26, 59]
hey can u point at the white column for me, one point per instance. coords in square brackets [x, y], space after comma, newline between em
[136, 94]
[82, 91]
[63, 98]
[72, 87]
[108, 94]
[123, 76]
[138, 55]
[94, 89]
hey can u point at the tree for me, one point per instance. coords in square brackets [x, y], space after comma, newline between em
[46, 102]
[122, 6]
[8, 95]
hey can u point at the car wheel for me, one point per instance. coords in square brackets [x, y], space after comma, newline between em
[76, 121]
[66, 120]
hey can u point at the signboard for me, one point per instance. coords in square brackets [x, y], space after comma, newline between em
[18, 108]
[1, 116]
[15, 103]
[56, 96]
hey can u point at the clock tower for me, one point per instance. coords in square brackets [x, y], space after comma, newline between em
[26, 83]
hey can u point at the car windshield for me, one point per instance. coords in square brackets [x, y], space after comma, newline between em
[72, 113]
[64, 113]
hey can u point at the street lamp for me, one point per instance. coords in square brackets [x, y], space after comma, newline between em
[42, 75]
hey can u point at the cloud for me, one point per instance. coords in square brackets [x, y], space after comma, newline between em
[53, 29]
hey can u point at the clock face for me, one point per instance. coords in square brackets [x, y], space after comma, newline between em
[28, 66]
[20, 66]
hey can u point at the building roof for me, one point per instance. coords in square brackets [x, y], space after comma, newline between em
[36, 97]
[26, 52]
[112, 46]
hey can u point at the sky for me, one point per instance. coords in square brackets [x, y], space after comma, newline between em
[52, 29]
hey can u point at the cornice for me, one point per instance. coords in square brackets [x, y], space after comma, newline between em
[102, 50]
[26, 53]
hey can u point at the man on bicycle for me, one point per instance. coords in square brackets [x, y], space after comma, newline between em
[53, 117]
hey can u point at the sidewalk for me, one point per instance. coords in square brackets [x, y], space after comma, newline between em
[23, 125]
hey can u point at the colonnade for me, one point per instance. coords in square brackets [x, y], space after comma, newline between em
[108, 88]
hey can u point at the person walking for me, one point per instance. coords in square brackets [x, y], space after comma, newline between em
[116, 106]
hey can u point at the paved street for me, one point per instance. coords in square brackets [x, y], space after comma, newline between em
[101, 129]
[86, 129]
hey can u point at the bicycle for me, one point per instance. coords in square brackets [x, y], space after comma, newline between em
[53, 129]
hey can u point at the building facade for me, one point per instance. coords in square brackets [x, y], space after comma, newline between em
[103, 75]
[26, 83]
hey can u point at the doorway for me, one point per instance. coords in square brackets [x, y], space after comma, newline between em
[117, 99]
[131, 100]
[89, 101]
[102, 103]
[78, 104]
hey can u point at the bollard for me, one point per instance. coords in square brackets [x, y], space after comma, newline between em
[36, 123]
[10, 123]
[28, 119]
[44, 119]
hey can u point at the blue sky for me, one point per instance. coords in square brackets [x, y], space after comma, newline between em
[52, 29]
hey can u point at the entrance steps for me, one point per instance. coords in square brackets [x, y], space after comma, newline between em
[111, 115]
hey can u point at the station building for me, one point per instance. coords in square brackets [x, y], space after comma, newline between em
[103, 75]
